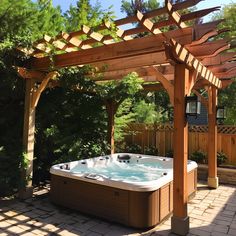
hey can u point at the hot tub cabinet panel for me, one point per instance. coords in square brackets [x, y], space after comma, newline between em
[132, 208]
[99, 200]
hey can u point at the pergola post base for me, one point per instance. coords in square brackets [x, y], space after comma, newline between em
[25, 193]
[213, 182]
[179, 225]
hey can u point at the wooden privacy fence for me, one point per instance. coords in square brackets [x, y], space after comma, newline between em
[161, 137]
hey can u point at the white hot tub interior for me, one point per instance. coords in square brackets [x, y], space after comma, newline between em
[134, 169]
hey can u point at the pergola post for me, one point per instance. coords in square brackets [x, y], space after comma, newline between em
[33, 90]
[28, 140]
[180, 219]
[213, 181]
[111, 107]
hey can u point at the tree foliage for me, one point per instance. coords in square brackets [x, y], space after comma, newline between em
[156, 106]
[86, 14]
[228, 14]
[130, 7]
[227, 96]
[68, 124]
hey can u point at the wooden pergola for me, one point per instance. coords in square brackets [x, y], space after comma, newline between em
[182, 59]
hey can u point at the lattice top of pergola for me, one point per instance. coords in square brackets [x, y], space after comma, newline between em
[71, 42]
[168, 39]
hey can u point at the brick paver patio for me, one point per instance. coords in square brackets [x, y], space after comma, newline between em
[212, 212]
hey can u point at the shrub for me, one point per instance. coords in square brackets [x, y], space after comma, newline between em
[152, 150]
[11, 163]
[134, 148]
[221, 158]
[199, 157]
[170, 153]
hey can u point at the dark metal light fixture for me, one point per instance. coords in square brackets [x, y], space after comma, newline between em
[193, 106]
[220, 113]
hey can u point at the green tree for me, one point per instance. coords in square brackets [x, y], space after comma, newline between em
[48, 19]
[145, 112]
[123, 117]
[16, 18]
[22, 22]
[227, 96]
[228, 13]
[86, 14]
[114, 94]
[141, 5]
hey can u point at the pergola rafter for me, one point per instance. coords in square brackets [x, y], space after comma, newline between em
[181, 60]
[71, 42]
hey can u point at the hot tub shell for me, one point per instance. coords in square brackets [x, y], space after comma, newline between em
[139, 209]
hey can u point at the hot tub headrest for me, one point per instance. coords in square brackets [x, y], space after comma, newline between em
[124, 157]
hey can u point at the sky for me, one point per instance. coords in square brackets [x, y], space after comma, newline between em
[117, 4]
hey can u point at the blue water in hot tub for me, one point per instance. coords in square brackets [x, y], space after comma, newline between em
[132, 172]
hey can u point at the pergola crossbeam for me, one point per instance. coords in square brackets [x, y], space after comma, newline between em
[119, 32]
[175, 16]
[147, 23]
[75, 42]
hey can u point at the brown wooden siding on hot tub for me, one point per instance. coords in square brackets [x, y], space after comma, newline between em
[132, 208]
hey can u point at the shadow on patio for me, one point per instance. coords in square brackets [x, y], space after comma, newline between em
[212, 212]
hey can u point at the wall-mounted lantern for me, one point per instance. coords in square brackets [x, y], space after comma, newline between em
[193, 106]
[220, 113]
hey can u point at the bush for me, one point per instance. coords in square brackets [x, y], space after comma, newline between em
[11, 163]
[134, 148]
[152, 150]
[221, 158]
[199, 157]
[170, 153]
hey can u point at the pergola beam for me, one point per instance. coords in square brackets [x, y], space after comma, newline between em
[135, 47]
[30, 74]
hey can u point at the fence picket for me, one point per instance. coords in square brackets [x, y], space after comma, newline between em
[161, 136]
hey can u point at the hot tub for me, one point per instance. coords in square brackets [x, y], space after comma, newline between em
[131, 189]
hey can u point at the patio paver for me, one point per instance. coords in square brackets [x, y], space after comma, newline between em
[212, 212]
